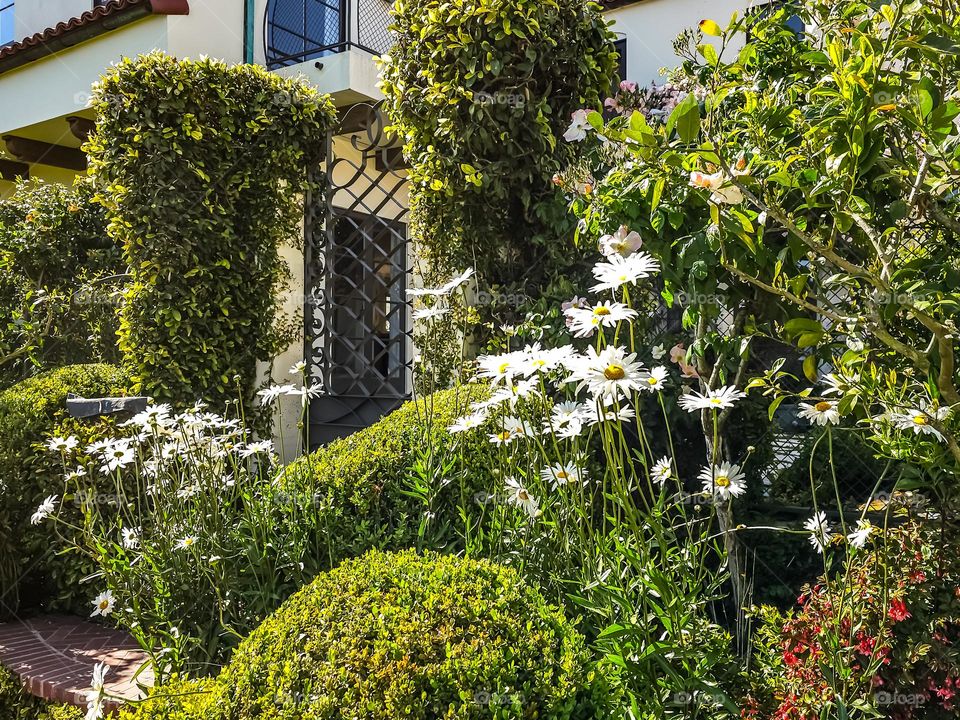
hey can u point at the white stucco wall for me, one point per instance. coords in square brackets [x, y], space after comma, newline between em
[33, 16]
[650, 28]
[65, 78]
[213, 28]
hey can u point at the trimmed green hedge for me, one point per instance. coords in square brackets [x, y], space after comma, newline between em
[30, 412]
[201, 166]
[399, 635]
[362, 482]
[17, 704]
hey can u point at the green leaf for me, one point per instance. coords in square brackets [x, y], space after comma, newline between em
[685, 119]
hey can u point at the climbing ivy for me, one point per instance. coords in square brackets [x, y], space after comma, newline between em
[481, 91]
[200, 166]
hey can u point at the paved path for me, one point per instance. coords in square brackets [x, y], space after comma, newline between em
[54, 656]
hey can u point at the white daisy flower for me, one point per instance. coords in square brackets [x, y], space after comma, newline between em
[429, 313]
[610, 372]
[185, 543]
[658, 352]
[723, 481]
[257, 448]
[103, 604]
[836, 385]
[130, 538]
[623, 242]
[618, 271]
[583, 322]
[820, 531]
[610, 411]
[534, 359]
[456, 282]
[519, 495]
[561, 474]
[45, 510]
[76, 473]
[822, 413]
[269, 394]
[653, 381]
[662, 470]
[919, 420]
[62, 444]
[95, 695]
[719, 399]
[858, 538]
[154, 417]
[116, 456]
[298, 367]
[504, 437]
[501, 367]
[468, 422]
[306, 393]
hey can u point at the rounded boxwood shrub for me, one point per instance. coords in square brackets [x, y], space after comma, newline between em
[361, 484]
[30, 413]
[400, 635]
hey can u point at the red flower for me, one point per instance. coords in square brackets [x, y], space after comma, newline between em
[898, 610]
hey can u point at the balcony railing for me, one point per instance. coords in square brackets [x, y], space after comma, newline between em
[296, 31]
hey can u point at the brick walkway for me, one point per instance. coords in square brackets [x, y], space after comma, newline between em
[54, 656]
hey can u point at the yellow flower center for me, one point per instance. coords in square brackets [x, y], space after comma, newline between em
[652, 381]
[920, 420]
[602, 310]
[505, 435]
[822, 406]
[715, 401]
[614, 372]
[104, 604]
[722, 481]
[504, 367]
[562, 475]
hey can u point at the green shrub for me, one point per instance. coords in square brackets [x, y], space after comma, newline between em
[30, 413]
[17, 704]
[202, 221]
[408, 636]
[481, 93]
[374, 488]
[59, 276]
[175, 700]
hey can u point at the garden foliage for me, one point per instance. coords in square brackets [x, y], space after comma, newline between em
[17, 704]
[200, 165]
[31, 562]
[208, 535]
[404, 635]
[480, 93]
[60, 276]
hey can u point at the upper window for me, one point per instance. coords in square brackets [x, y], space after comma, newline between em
[6, 22]
[301, 30]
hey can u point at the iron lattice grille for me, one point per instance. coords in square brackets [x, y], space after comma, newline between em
[359, 342]
[373, 25]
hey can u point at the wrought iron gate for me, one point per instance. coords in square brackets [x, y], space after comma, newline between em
[358, 324]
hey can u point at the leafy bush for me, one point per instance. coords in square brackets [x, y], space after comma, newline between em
[376, 487]
[59, 275]
[202, 221]
[223, 536]
[30, 412]
[480, 92]
[174, 700]
[17, 704]
[402, 635]
[879, 635]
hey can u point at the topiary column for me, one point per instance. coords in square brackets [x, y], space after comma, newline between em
[200, 165]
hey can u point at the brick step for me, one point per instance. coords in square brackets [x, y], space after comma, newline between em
[54, 656]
